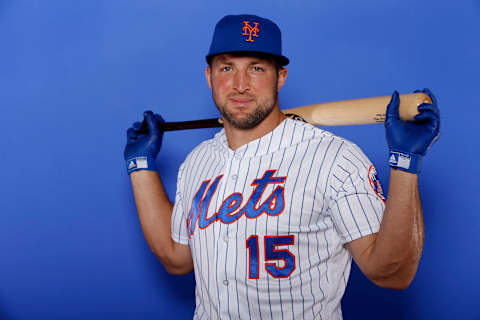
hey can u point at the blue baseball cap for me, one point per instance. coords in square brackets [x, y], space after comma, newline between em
[247, 33]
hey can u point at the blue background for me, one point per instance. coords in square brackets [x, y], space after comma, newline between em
[75, 74]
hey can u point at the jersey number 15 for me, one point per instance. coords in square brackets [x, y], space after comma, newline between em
[271, 254]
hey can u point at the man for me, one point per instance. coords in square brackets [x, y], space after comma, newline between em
[270, 212]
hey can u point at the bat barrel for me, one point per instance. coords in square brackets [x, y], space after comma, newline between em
[359, 111]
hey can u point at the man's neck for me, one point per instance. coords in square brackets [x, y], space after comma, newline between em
[239, 137]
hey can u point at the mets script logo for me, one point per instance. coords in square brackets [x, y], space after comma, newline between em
[230, 210]
[250, 31]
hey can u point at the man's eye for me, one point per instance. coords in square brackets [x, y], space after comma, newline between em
[257, 68]
[226, 68]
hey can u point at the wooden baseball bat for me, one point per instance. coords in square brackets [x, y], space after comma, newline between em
[337, 113]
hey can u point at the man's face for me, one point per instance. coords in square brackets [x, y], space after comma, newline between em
[244, 88]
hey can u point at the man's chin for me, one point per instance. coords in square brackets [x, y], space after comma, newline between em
[241, 119]
[249, 122]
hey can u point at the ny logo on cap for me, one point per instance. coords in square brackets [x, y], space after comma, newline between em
[250, 31]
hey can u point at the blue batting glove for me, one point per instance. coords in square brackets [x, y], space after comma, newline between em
[144, 140]
[408, 141]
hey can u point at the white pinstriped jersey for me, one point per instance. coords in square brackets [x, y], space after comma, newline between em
[266, 223]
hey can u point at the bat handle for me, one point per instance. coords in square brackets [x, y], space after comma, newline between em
[195, 124]
[206, 123]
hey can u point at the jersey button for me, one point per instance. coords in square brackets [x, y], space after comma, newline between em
[225, 282]
[234, 177]
[225, 238]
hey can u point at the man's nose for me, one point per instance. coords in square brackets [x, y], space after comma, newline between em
[241, 81]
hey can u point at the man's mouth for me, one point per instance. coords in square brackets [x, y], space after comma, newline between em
[240, 101]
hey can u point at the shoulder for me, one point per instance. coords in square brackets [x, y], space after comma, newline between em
[327, 146]
[216, 145]
[306, 132]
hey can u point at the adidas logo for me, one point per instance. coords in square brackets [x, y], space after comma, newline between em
[392, 159]
[131, 165]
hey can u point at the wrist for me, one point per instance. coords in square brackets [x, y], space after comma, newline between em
[406, 161]
[144, 162]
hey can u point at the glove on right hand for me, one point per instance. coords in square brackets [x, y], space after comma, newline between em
[144, 140]
[408, 141]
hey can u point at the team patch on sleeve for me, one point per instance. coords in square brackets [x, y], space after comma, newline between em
[375, 183]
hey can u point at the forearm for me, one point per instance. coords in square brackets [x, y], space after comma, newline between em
[155, 212]
[396, 251]
[390, 258]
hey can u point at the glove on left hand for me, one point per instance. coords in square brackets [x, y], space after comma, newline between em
[408, 141]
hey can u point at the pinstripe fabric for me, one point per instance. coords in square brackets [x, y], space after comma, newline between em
[328, 201]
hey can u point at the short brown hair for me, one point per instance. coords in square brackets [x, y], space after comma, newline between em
[260, 55]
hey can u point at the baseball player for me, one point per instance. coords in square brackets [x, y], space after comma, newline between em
[270, 212]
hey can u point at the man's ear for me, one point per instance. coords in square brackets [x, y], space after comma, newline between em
[208, 76]
[282, 76]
